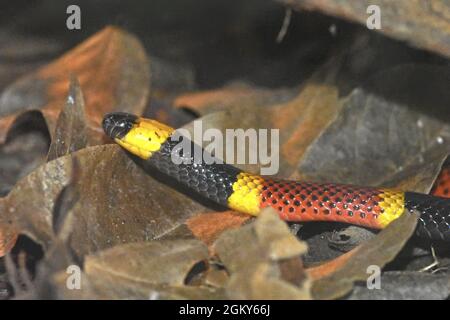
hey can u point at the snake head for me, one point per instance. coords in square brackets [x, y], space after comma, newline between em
[137, 135]
[117, 124]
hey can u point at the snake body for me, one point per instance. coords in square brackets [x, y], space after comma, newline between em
[441, 187]
[154, 144]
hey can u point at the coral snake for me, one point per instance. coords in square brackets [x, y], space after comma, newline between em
[296, 201]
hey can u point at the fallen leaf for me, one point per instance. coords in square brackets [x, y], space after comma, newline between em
[25, 150]
[216, 277]
[150, 270]
[396, 125]
[268, 242]
[70, 132]
[113, 71]
[119, 202]
[263, 282]
[412, 21]
[334, 279]
[157, 262]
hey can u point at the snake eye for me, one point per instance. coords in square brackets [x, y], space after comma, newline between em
[118, 124]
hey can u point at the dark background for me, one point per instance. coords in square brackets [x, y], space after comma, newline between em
[220, 40]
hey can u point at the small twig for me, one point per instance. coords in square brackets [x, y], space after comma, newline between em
[432, 265]
[439, 269]
[285, 25]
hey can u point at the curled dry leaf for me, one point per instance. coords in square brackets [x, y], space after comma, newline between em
[253, 254]
[272, 240]
[70, 132]
[263, 282]
[334, 279]
[216, 276]
[165, 262]
[58, 257]
[150, 270]
[413, 21]
[119, 202]
[113, 71]
[400, 116]
[25, 150]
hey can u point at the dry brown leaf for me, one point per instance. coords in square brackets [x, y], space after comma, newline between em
[334, 279]
[119, 202]
[216, 277]
[262, 282]
[113, 71]
[150, 270]
[253, 254]
[413, 20]
[267, 238]
[158, 262]
[70, 132]
[400, 116]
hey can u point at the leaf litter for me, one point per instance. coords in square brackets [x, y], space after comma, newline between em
[135, 237]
